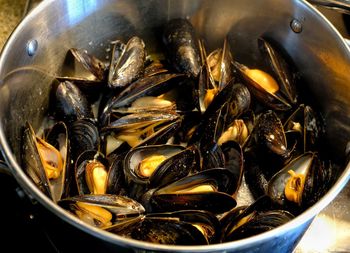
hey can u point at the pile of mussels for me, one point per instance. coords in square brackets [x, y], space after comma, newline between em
[164, 153]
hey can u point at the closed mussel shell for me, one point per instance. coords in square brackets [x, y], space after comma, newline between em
[270, 133]
[70, 103]
[180, 41]
[84, 135]
[116, 178]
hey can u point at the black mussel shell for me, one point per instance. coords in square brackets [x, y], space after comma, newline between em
[180, 40]
[176, 167]
[145, 128]
[259, 223]
[240, 223]
[138, 183]
[305, 128]
[269, 136]
[208, 190]
[84, 135]
[115, 209]
[281, 69]
[116, 178]
[129, 66]
[256, 179]
[266, 95]
[168, 231]
[154, 85]
[300, 183]
[71, 104]
[206, 221]
[56, 145]
[93, 65]
[84, 168]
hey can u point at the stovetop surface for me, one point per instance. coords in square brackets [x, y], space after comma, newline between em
[329, 232]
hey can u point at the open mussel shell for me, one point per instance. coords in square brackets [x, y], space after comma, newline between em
[46, 160]
[215, 74]
[238, 129]
[300, 183]
[262, 215]
[154, 85]
[93, 65]
[144, 128]
[147, 103]
[263, 87]
[230, 103]
[305, 128]
[85, 71]
[180, 41]
[220, 65]
[102, 210]
[257, 223]
[229, 155]
[236, 95]
[156, 164]
[281, 69]
[91, 173]
[208, 190]
[129, 66]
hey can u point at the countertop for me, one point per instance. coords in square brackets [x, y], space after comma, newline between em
[330, 230]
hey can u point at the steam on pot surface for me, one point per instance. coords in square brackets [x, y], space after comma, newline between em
[158, 147]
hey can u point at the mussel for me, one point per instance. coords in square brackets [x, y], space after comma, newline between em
[46, 160]
[154, 166]
[207, 190]
[102, 210]
[181, 43]
[129, 65]
[190, 227]
[301, 182]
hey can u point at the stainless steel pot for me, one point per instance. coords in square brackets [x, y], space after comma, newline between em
[36, 51]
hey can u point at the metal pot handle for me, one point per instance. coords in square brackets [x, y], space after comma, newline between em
[338, 5]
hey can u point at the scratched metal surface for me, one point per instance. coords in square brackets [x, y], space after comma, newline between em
[330, 230]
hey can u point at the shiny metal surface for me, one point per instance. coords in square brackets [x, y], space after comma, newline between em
[318, 50]
[339, 5]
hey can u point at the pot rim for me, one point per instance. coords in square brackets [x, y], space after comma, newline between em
[31, 189]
